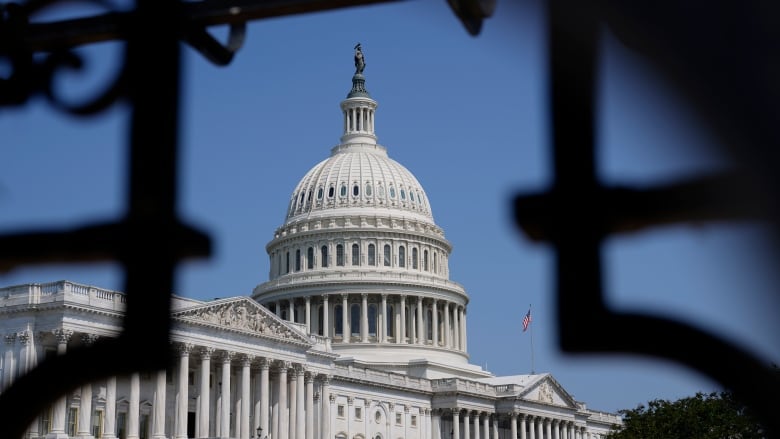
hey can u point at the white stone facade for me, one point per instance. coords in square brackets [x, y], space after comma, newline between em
[359, 332]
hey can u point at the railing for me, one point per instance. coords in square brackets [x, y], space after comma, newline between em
[337, 275]
[62, 291]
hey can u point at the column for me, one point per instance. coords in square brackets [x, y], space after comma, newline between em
[513, 425]
[85, 407]
[420, 325]
[278, 308]
[309, 382]
[467, 425]
[523, 428]
[325, 400]
[109, 424]
[158, 415]
[283, 423]
[246, 401]
[539, 427]
[570, 430]
[133, 418]
[402, 326]
[265, 396]
[8, 370]
[205, 397]
[364, 317]
[274, 402]
[548, 428]
[532, 427]
[59, 410]
[456, 328]
[182, 389]
[346, 332]
[486, 426]
[435, 322]
[325, 316]
[494, 421]
[224, 416]
[291, 310]
[456, 423]
[463, 337]
[307, 314]
[476, 425]
[556, 429]
[436, 424]
[292, 394]
[300, 414]
[447, 339]
[382, 332]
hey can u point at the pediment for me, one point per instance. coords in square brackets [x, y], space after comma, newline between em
[241, 314]
[547, 390]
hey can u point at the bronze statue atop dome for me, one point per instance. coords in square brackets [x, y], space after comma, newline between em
[360, 61]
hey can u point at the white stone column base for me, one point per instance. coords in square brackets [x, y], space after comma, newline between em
[57, 435]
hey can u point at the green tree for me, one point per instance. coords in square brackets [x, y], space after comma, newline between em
[704, 416]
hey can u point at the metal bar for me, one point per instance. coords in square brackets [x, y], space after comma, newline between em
[47, 36]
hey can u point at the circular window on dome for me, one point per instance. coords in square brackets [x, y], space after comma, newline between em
[392, 192]
[355, 190]
[319, 193]
[403, 194]
[369, 190]
[343, 191]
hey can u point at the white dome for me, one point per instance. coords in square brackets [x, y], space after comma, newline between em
[359, 179]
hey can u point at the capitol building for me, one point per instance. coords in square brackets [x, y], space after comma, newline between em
[359, 333]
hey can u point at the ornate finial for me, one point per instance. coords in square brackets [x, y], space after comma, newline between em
[358, 80]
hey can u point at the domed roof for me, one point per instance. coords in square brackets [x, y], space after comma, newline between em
[359, 179]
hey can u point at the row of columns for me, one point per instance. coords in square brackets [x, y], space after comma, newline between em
[409, 329]
[358, 119]
[481, 425]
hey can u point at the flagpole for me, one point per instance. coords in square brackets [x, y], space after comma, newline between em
[532, 343]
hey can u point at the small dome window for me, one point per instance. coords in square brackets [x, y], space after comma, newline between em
[369, 190]
[303, 197]
[380, 191]
[355, 190]
[343, 190]
[319, 193]
[411, 195]
[331, 192]
[403, 194]
[308, 198]
[392, 192]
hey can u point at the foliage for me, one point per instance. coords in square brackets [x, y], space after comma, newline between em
[704, 416]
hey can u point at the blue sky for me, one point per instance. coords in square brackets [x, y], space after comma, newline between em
[468, 117]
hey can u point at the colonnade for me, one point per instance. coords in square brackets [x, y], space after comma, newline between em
[470, 424]
[381, 318]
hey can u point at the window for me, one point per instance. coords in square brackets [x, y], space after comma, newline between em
[331, 192]
[343, 190]
[310, 258]
[371, 254]
[389, 317]
[425, 260]
[355, 254]
[354, 319]
[320, 328]
[414, 258]
[355, 190]
[340, 411]
[44, 422]
[369, 191]
[403, 194]
[429, 325]
[435, 257]
[380, 191]
[121, 425]
[402, 256]
[191, 378]
[372, 320]
[298, 260]
[358, 413]
[392, 192]
[97, 424]
[378, 419]
[319, 193]
[308, 198]
[387, 255]
[338, 327]
[340, 255]
[413, 421]
[411, 195]
[287, 265]
[324, 256]
[73, 421]
[399, 419]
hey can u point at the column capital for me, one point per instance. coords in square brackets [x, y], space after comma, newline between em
[63, 335]
[184, 349]
[555, 422]
[246, 359]
[332, 398]
[324, 379]
[390, 406]
[406, 408]
[344, 296]
[455, 411]
[307, 299]
[308, 377]
[350, 400]
[402, 297]
[384, 295]
[264, 363]
[283, 365]
[325, 297]
[226, 356]
[24, 337]
[89, 339]
[513, 415]
[206, 352]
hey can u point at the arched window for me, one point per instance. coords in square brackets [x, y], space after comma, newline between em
[355, 254]
[331, 192]
[389, 316]
[435, 257]
[371, 254]
[429, 325]
[392, 192]
[310, 258]
[402, 256]
[338, 328]
[387, 255]
[320, 328]
[324, 256]
[355, 190]
[414, 258]
[287, 264]
[340, 255]
[411, 195]
[425, 260]
[298, 260]
[319, 193]
[403, 194]
[372, 320]
[369, 191]
[343, 190]
[354, 319]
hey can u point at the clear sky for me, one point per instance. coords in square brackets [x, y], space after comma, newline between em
[468, 117]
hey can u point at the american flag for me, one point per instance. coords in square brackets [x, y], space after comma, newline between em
[527, 320]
